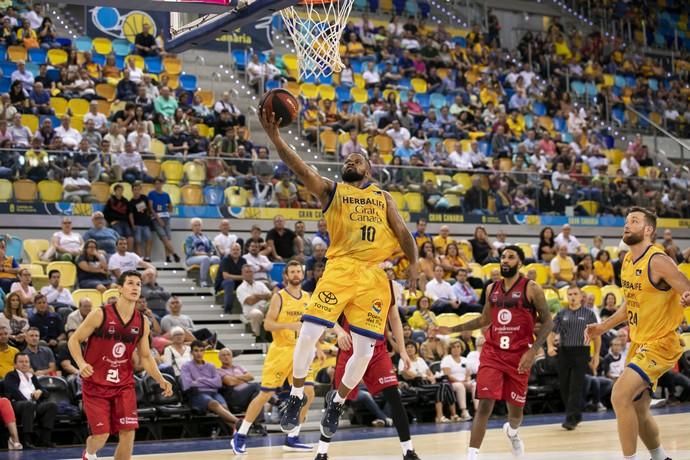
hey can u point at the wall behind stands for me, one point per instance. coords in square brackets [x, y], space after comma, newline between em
[670, 147]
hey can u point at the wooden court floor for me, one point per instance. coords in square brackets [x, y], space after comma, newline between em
[595, 440]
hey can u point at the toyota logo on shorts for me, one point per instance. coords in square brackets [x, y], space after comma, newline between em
[119, 349]
[328, 298]
[504, 316]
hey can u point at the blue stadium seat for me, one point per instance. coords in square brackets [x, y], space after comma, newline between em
[98, 59]
[539, 109]
[653, 84]
[153, 64]
[64, 42]
[342, 93]
[484, 147]
[326, 80]
[438, 100]
[14, 248]
[578, 88]
[213, 195]
[5, 83]
[272, 84]
[188, 82]
[8, 67]
[591, 89]
[618, 114]
[38, 55]
[33, 68]
[276, 273]
[423, 100]
[559, 124]
[240, 59]
[120, 62]
[122, 47]
[529, 121]
[460, 41]
[83, 44]
[53, 74]
[619, 81]
[3, 52]
[357, 65]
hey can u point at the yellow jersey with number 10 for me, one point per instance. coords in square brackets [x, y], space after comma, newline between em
[358, 224]
[291, 311]
[653, 311]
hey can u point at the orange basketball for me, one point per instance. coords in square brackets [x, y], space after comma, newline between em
[282, 103]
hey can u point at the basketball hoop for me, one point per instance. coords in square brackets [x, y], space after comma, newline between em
[315, 27]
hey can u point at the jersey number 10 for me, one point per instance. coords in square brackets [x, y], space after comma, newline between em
[368, 233]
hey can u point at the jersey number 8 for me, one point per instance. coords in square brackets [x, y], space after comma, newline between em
[504, 343]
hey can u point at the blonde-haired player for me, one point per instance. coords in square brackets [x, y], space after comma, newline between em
[283, 321]
[655, 292]
[365, 229]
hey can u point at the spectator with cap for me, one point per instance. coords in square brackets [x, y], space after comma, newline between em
[200, 251]
[573, 354]
[230, 275]
[105, 237]
[254, 297]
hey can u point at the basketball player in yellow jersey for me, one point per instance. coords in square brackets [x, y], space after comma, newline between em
[365, 228]
[283, 320]
[655, 292]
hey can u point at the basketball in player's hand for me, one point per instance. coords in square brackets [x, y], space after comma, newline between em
[282, 103]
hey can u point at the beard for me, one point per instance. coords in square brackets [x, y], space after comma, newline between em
[351, 175]
[294, 282]
[508, 272]
[633, 238]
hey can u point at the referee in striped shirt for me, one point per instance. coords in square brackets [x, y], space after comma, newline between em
[573, 354]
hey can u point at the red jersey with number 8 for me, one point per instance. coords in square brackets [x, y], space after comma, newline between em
[512, 320]
[109, 349]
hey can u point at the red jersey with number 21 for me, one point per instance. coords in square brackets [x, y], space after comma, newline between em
[109, 349]
[511, 332]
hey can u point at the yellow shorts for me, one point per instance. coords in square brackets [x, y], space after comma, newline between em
[653, 359]
[361, 292]
[278, 368]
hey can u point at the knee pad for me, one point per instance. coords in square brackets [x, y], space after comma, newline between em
[362, 347]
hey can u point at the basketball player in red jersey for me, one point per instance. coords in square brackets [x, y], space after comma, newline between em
[380, 377]
[112, 333]
[513, 305]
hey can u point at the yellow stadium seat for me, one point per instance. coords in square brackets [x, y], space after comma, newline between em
[30, 121]
[68, 273]
[466, 248]
[590, 207]
[488, 267]
[173, 171]
[213, 271]
[103, 106]
[594, 290]
[448, 320]
[290, 61]
[527, 249]
[613, 251]
[453, 199]
[443, 180]
[204, 129]
[5, 190]
[543, 273]
[449, 145]
[102, 45]
[24, 190]
[388, 92]
[115, 292]
[308, 90]
[358, 80]
[329, 141]
[16, 53]
[57, 57]
[174, 192]
[59, 104]
[419, 85]
[464, 180]
[92, 294]
[192, 195]
[146, 188]
[359, 95]
[685, 269]
[384, 144]
[106, 91]
[414, 201]
[326, 92]
[78, 122]
[236, 196]
[139, 62]
[615, 156]
[34, 269]
[33, 250]
[206, 97]
[563, 294]
[78, 106]
[211, 356]
[293, 87]
[686, 314]
[50, 191]
[399, 199]
[476, 270]
[100, 191]
[505, 164]
[550, 295]
[195, 172]
[153, 167]
[157, 148]
[172, 65]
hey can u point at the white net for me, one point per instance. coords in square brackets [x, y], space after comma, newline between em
[316, 27]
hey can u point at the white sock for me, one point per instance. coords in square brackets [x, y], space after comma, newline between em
[244, 427]
[91, 456]
[338, 399]
[295, 433]
[299, 392]
[630, 457]
[472, 453]
[406, 446]
[512, 432]
[323, 447]
[658, 454]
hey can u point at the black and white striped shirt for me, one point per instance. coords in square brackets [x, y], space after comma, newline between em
[571, 324]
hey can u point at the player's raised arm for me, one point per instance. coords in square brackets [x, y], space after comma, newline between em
[149, 364]
[663, 268]
[83, 332]
[316, 184]
[405, 238]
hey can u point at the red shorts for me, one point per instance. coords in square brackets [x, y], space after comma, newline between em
[501, 382]
[380, 373]
[112, 414]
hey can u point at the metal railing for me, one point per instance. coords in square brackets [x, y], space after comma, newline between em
[683, 146]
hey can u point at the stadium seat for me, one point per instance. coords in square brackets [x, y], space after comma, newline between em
[308, 90]
[613, 251]
[414, 201]
[16, 53]
[122, 47]
[292, 87]
[615, 290]
[38, 56]
[174, 192]
[78, 107]
[68, 273]
[106, 91]
[110, 293]
[527, 249]
[157, 148]
[59, 105]
[211, 356]
[399, 199]
[172, 65]
[188, 82]
[329, 141]
[5, 190]
[30, 121]
[195, 172]
[419, 85]
[153, 167]
[359, 95]
[153, 64]
[213, 195]
[24, 190]
[543, 273]
[326, 92]
[590, 207]
[33, 249]
[453, 200]
[192, 195]
[488, 267]
[100, 191]
[276, 273]
[92, 294]
[384, 144]
[206, 97]
[236, 197]
[50, 191]
[83, 44]
[475, 269]
[36, 270]
[57, 57]
[14, 247]
[596, 291]
[173, 171]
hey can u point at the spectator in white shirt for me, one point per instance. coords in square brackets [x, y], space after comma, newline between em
[24, 76]
[78, 316]
[56, 295]
[20, 134]
[441, 293]
[224, 240]
[100, 121]
[460, 159]
[398, 133]
[70, 136]
[76, 189]
[255, 72]
[454, 366]
[132, 165]
[64, 245]
[629, 165]
[566, 238]
[254, 297]
[35, 16]
[559, 176]
[123, 261]
[259, 262]
[371, 75]
[225, 103]
[140, 139]
[177, 354]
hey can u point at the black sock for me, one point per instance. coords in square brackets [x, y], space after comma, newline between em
[398, 413]
[324, 439]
